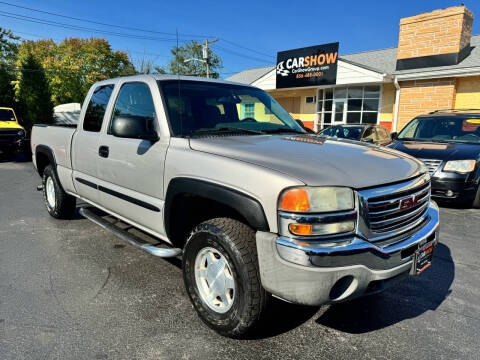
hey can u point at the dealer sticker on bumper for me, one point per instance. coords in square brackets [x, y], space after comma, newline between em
[423, 258]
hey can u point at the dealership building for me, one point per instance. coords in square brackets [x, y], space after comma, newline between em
[436, 65]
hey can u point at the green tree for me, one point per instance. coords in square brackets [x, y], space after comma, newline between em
[192, 51]
[33, 94]
[8, 52]
[72, 66]
[8, 46]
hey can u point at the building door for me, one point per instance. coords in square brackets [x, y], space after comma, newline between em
[339, 109]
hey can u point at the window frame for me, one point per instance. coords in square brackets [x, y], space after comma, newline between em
[321, 113]
[117, 94]
[112, 85]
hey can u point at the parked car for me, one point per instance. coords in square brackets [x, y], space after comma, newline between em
[448, 142]
[12, 134]
[375, 134]
[253, 204]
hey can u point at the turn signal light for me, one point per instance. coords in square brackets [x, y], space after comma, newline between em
[295, 200]
[300, 229]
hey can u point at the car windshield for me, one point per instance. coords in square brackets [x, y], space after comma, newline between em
[203, 108]
[6, 115]
[442, 129]
[348, 132]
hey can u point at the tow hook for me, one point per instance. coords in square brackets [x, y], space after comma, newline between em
[40, 187]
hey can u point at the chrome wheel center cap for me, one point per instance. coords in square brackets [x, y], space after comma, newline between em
[50, 189]
[214, 280]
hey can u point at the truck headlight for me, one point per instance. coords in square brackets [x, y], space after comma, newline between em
[20, 133]
[460, 166]
[317, 199]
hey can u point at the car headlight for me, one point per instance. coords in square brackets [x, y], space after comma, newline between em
[317, 199]
[20, 133]
[460, 166]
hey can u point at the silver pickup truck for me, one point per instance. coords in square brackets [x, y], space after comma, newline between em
[220, 174]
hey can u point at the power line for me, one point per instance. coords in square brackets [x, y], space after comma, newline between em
[80, 28]
[97, 22]
[127, 27]
[244, 47]
[243, 55]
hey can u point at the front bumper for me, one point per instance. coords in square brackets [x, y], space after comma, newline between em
[13, 145]
[461, 190]
[320, 275]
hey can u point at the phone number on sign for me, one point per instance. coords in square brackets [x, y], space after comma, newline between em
[308, 75]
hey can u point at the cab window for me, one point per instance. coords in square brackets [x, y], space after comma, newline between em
[135, 100]
[6, 115]
[96, 108]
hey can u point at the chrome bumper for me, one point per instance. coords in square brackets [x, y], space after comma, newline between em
[315, 275]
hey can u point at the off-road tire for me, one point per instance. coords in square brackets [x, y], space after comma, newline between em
[236, 242]
[64, 204]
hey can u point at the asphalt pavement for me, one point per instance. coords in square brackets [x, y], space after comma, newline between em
[71, 290]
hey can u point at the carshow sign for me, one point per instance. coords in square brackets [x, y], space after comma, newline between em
[309, 66]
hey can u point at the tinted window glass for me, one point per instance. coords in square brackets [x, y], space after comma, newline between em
[443, 129]
[6, 115]
[200, 107]
[96, 108]
[135, 100]
[340, 132]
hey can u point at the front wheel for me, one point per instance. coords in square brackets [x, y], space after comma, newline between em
[59, 204]
[220, 270]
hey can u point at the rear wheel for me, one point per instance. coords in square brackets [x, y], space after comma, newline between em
[59, 204]
[220, 270]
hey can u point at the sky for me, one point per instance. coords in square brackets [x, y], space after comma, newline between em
[250, 32]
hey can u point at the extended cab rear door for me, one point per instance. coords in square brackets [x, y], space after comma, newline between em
[131, 170]
[85, 142]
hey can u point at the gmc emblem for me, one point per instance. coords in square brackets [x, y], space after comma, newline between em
[408, 203]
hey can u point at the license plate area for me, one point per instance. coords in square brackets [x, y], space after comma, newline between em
[422, 258]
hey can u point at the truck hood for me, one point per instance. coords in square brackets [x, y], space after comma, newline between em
[439, 151]
[10, 125]
[315, 160]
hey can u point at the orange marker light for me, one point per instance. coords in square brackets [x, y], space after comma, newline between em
[295, 200]
[300, 229]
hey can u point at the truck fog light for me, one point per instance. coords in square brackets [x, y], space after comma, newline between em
[449, 193]
[300, 229]
[333, 228]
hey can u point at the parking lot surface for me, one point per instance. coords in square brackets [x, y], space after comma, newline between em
[71, 290]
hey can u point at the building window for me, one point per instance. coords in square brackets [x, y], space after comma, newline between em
[350, 105]
[310, 99]
[248, 111]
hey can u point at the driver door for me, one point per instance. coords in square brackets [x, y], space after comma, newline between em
[131, 170]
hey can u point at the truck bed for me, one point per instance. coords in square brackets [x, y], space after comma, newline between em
[58, 138]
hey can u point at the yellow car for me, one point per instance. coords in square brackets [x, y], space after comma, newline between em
[12, 134]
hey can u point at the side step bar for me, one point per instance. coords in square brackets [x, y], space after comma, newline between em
[130, 238]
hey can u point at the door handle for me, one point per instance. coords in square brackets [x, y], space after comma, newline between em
[103, 151]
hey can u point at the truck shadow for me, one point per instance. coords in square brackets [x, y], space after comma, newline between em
[406, 300]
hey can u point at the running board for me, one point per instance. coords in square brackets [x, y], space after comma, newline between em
[130, 238]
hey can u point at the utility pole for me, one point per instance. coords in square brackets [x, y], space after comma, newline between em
[205, 53]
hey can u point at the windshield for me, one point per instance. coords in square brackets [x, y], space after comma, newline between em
[6, 115]
[201, 108]
[442, 129]
[350, 132]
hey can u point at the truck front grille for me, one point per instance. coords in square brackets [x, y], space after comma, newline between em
[393, 210]
[10, 134]
[432, 165]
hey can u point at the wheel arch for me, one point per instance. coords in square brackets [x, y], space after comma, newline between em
[236, 204]
[44, 156]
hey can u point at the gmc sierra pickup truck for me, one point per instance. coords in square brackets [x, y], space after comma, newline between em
[221, 175]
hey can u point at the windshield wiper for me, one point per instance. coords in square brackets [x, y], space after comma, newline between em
[279, 130]
[226, 129]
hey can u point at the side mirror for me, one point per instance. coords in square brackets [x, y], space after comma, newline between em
[394, 135]
[133, 127]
